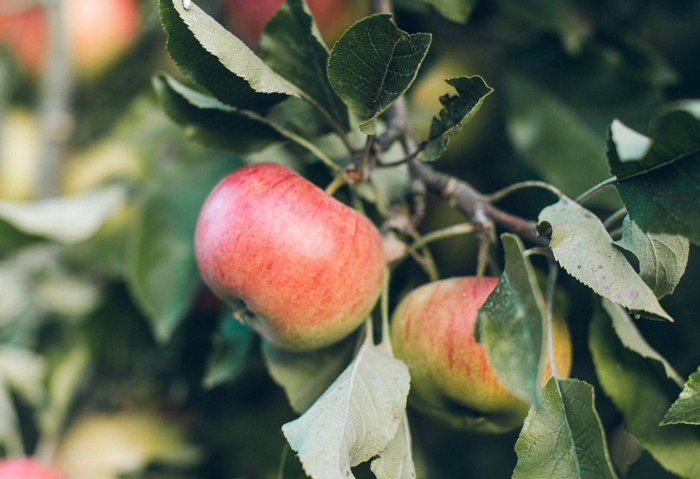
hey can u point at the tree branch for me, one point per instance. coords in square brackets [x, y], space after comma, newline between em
[458, 194]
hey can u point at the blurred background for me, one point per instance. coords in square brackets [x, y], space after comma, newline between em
[115, 362]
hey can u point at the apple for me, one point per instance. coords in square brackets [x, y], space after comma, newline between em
[112, 445]
[432, 332]
[98, 32]
[27, 468]
[20, 155]
[247, 18]
[307, 265]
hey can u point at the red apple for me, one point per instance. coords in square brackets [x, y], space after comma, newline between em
[308, 266]
[247, 18]
[98, 32]
[432, 332]
[26, 468]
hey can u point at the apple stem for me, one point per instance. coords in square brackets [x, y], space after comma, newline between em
[551, 286]
[335, 185]
[386, 335]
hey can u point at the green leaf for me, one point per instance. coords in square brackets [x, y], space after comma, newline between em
[510, 324]
[305, 376]
[455, 10]
[219, 61]
[395, 461]
[232, 347]
[585, 250]
[639, 390]
[211, 122]
[456, 110]
[22, 371]
[686, 409]
[563, 437]
[67, 220]
[554, 139]
[659, 176]
[356, 417]
[662, 257]
[293, 47]
[632, 339]
[567, 20]
[161, 268]
[373, 64]
[674, 135]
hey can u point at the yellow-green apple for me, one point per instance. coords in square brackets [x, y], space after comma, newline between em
[451, 378]
[20, 155]
[98, 32]
[307, 265]
[27, 468]
[112, 445]
[247, 18]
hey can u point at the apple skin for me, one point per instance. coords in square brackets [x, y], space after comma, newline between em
[27, 468]
[247, 18]
[432, 332]
[98, 33]
[308, 266]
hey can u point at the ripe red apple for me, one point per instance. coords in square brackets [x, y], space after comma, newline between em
[27, 468]
[98, 32]
[432, 332]
[310, 267]
[247, 18]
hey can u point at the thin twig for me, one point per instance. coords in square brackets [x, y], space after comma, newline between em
[614, 218]
[591, 192]
[510, 189]
[454, 230]
[551, 285]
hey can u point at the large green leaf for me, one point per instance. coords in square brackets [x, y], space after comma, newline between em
[662, 257]
[686, 409]
[456, 110]
[373, 64]
[554, 139]
[659, 176]
[162, 272]
[355, 419]
[640, 390]
[219, 61]
[292, 46]
[211, 122]
[586, 251]
[67, 220]
[510, 324]
[305, 376]
[456, 10]
[563, 437]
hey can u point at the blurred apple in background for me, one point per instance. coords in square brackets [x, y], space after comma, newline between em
[107, 446]
[20, 155]
[247, 18]
[99, 31]
[27, 468]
